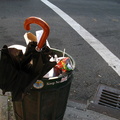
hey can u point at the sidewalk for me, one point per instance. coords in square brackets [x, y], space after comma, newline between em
[74, 111]
[78, 111]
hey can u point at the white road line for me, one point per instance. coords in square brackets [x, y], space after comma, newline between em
[102, 50]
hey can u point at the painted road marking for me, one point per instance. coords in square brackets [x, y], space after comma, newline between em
[102, 50]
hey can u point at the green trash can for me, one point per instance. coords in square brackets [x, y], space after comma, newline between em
[49, 101]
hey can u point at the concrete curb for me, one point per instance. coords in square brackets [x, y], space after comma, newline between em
[3, 108]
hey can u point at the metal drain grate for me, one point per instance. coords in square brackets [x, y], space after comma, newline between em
[110, 99]
[106, 101]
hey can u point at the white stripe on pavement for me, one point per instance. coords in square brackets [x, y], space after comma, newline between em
[102, 50]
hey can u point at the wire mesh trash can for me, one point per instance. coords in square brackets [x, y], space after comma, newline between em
[49, 101]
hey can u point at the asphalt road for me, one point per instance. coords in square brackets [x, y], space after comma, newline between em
[100, 17]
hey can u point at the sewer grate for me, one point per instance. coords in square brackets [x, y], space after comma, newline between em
[106, 101]
[110, 99]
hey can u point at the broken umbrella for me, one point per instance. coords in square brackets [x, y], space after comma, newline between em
[18, 70]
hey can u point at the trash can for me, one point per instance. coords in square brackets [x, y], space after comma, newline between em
[49, 101]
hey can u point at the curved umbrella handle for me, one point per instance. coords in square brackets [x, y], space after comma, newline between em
[43, 24]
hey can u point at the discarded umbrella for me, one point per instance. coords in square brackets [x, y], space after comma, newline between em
[18, 70]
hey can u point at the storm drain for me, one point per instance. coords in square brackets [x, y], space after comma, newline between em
[106, 101]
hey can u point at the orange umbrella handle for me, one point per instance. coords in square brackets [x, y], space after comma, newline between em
[43, 24]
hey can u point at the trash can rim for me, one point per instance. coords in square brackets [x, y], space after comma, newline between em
[60, 76]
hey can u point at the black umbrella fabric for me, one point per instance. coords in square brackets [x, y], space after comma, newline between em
[18, 71]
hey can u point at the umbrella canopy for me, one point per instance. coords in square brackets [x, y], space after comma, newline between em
[18, 71]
